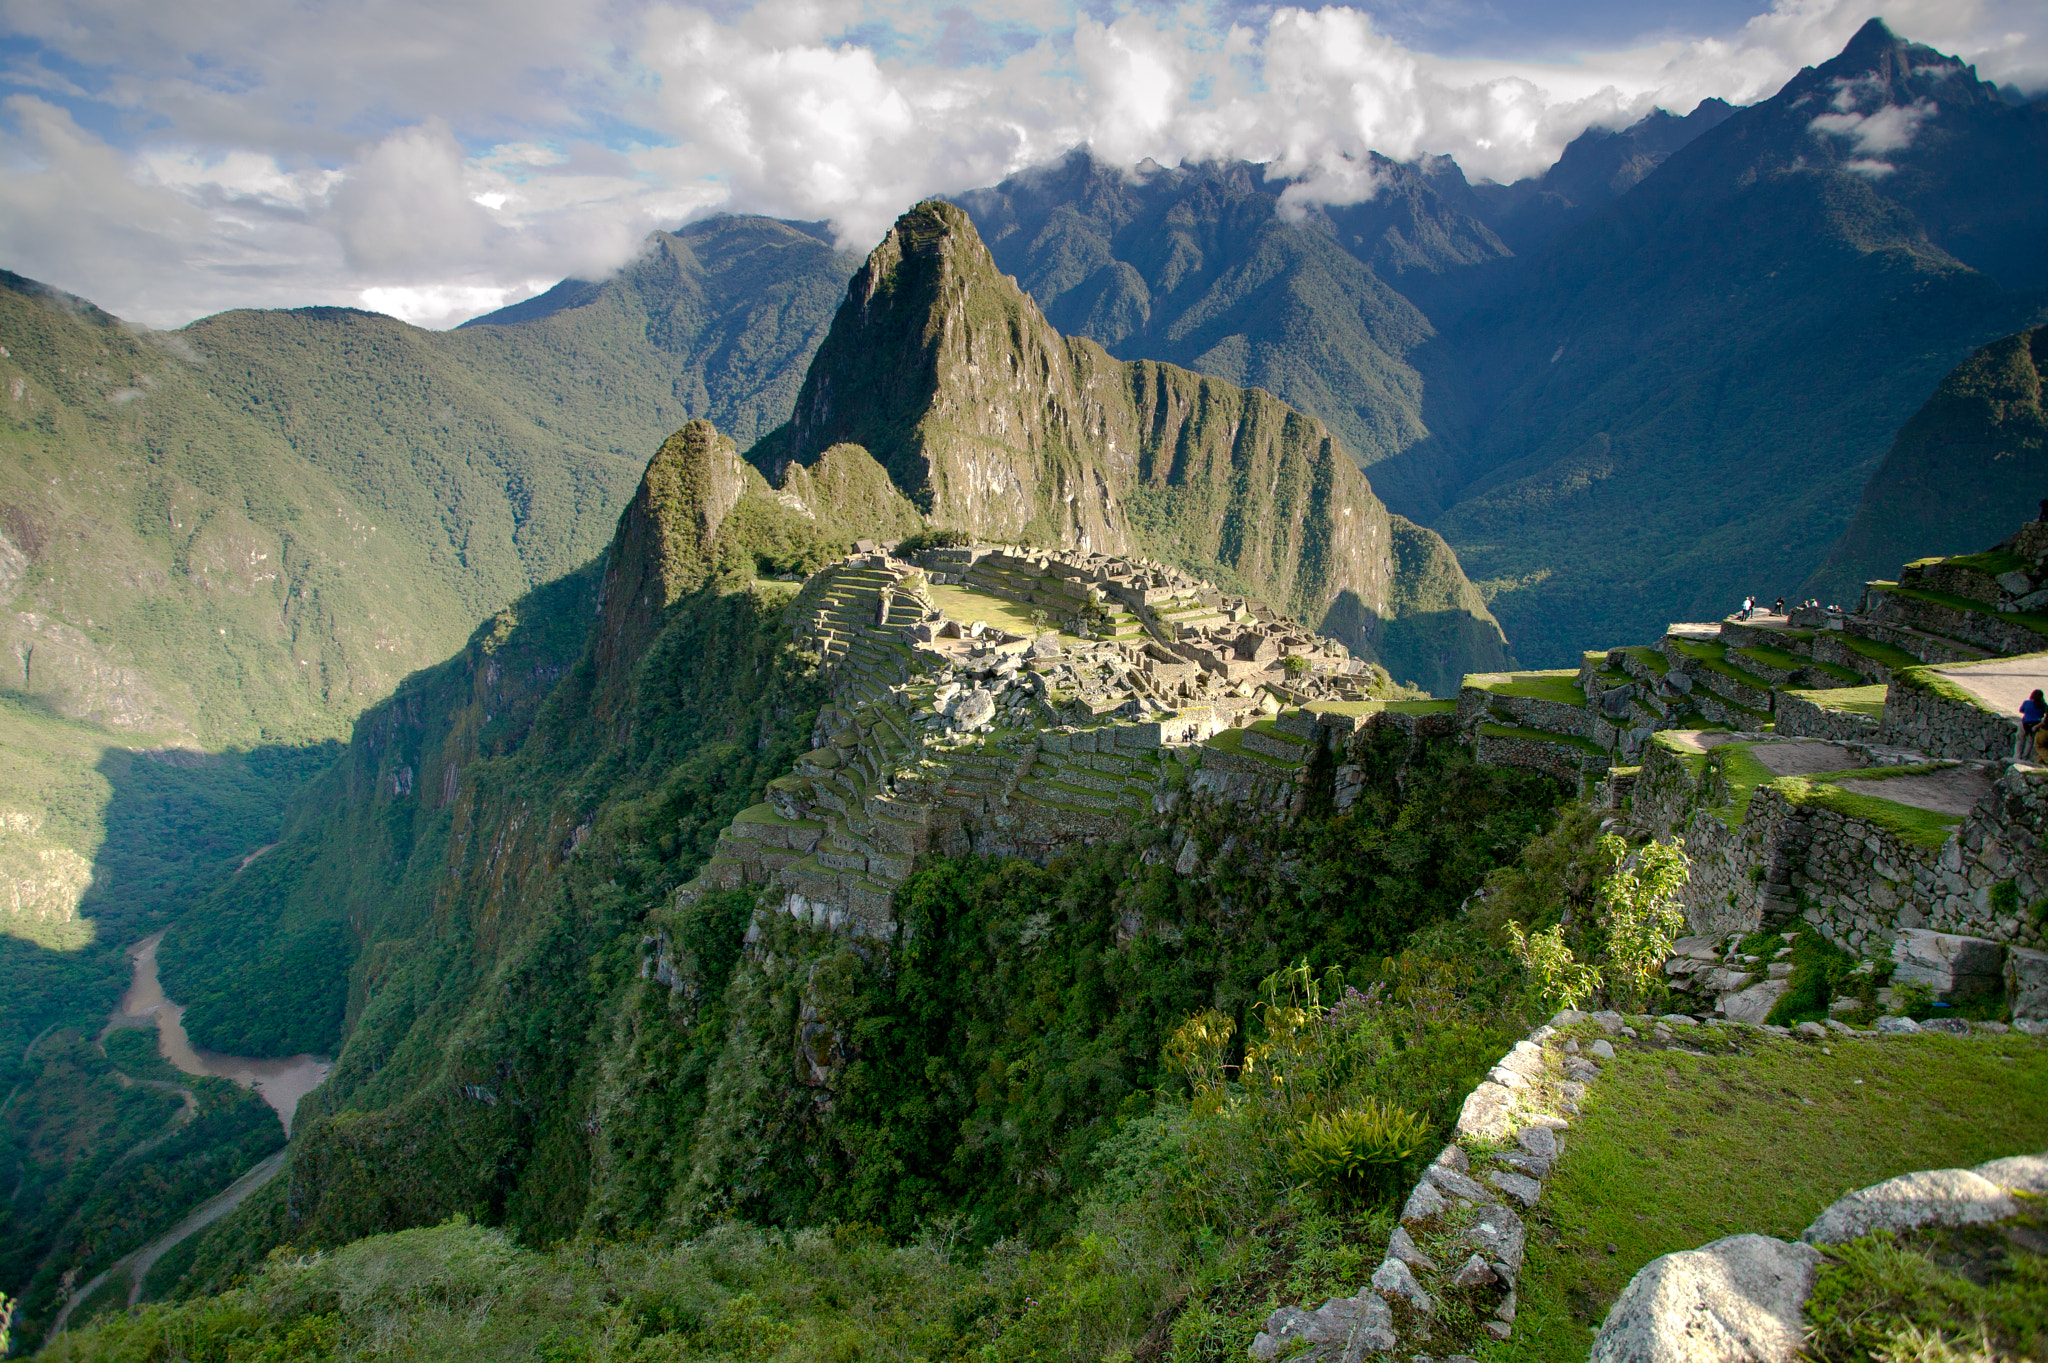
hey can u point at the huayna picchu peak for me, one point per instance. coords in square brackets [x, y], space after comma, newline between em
[987, 420]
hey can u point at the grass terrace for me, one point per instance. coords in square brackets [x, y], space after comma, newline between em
[967, 605]
[1560, 686]
[1990, 563]
[1741, 773]
[1908, 823]
[1856, 700]
[1232, 741]
[1714, 658]
[1887, 655]
[1652, 658]
[2037, 623]
[1373, 707]
[1786, 1126]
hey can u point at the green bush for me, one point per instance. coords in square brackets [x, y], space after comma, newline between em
[1357, 1150]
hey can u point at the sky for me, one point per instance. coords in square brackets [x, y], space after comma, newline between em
[435, 159]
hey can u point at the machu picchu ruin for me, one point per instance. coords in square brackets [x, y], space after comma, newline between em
[1850, 769]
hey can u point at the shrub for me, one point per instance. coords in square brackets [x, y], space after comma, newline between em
[1641, 916]
[1358, 1149]
[933, 539]
[1561, 977]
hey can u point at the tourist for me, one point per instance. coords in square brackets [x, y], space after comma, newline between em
[2033, 710]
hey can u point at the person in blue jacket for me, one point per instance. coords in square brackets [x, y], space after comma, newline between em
[2033, 710]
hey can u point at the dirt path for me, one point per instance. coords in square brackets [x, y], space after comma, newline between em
[138, 1263]
[1954, 791]
[1802, 758]
[2002, 683]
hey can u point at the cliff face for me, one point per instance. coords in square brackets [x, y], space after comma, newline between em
[988, 420]
[1972, 461]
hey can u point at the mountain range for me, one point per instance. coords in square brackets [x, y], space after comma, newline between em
[1663, 374]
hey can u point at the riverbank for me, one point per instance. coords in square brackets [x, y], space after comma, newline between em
[280, 1082]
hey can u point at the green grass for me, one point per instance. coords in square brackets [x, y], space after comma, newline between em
[1372, 707]
[1560, 687]
[1652, 658]
[1890, 656]
[1925, 678]
[1585, 745]
[1990, 563]
[1232, 741]
[2037, 623]
[1860, 700]
[967, 605]
[1674, 1150]
[1742, 773]
[1773, 657]
[1921, 827]
[1695, 760]
[1714, 657]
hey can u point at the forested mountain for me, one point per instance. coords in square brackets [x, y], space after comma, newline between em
[1971, 462]
[1628, 391]
[1683, 397]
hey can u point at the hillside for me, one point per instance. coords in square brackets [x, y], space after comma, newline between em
[1688, 391]
[1971, 461]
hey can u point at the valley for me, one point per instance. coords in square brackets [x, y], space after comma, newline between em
[1099, 735]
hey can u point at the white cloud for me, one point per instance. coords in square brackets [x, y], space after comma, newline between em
[427, 160]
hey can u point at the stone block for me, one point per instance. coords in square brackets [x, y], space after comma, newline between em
[1954, 967]
[2026, 983]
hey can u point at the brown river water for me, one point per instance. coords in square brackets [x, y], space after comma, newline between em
[280, 1083]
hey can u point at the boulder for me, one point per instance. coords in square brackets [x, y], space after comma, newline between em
[1401, 1245]
[1953, 966]
[2026, 982]
[1736, 1300]
[1896, 1026]
[1520, 1187]
[1474, 1273]
[1395, 1279]
[1346, 1329]
[1931, 1197]
[1423, 1203]
[1456, 1184]
[1755, 1003]
[2019, 1173]
[1499, 1234]
[972, 708]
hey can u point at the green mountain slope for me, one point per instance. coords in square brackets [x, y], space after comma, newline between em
[218, 545]
[988, 420]
[1971, 462]
[1683, 397]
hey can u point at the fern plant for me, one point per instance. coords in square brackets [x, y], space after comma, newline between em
[1358, 1149]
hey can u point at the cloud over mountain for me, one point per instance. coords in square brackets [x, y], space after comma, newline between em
[432, 162]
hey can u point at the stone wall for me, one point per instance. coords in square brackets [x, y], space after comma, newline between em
[1918, 716]
[1801, 718]
[1561, 760]
[1857, 883]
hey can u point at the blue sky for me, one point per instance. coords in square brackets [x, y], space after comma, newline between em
[171, 158]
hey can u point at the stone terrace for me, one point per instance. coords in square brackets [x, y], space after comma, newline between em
[1017, 702]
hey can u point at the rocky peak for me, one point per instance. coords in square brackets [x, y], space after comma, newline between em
[951, 378]
[667, 543]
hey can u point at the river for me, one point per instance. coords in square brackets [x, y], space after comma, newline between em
[280, 1083]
